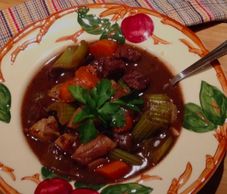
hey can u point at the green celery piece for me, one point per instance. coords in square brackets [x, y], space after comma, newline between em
[80, 53]
[72, 56]
[118, 154]
[65, 60]
[88, 131]
[64, 111]
[157, 115]
[137, 101]
[159, 152]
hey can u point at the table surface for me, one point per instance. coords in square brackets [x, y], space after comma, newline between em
[212, 36]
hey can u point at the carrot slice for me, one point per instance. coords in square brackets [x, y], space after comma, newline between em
[127, 125]
[103, 48]
[86, 76]
[64, 93]
[114, 170]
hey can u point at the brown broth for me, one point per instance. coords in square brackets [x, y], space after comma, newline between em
[34, 108]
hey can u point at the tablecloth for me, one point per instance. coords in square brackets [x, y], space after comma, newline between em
[187, 12]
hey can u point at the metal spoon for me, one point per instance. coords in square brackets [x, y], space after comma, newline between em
[218, 52]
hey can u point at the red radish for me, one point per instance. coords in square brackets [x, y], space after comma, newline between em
[84, 191]
[137, 28]
[54, 186]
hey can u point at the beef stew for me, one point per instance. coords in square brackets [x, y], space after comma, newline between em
[97, 113]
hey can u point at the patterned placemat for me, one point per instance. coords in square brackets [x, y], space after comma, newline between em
[188, 12]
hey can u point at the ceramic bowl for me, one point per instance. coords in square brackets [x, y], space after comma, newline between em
[198, 150]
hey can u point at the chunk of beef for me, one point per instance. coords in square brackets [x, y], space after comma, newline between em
[45, 129]
[94, 149]
[127, 53]
[67, 142]
[136, 79]
[55, 92]
[124, 141]
[110, 67]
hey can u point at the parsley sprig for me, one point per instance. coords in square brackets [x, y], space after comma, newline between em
[97, 104]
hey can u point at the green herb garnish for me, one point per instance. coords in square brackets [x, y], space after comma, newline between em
[130, 101]
[98, 104]
[85, 137]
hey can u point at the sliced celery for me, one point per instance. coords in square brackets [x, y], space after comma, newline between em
[158, 115]
[72, 56]
[118, 154]
[63, 110]
[158, 153]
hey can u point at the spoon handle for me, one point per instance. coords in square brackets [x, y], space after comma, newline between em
[218, 52]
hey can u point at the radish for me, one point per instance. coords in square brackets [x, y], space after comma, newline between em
[137, 28]
[54, 186]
